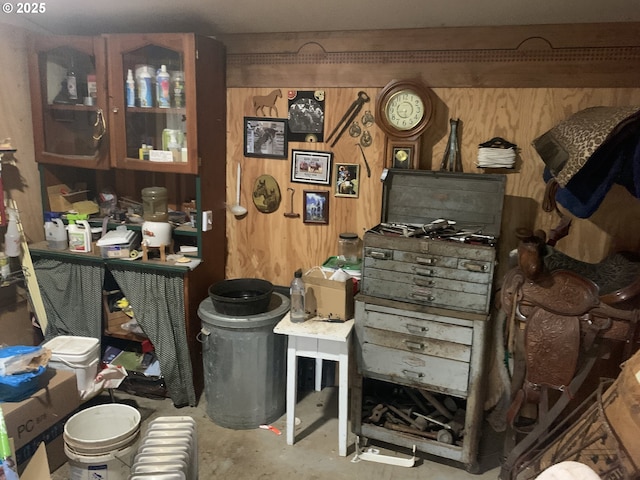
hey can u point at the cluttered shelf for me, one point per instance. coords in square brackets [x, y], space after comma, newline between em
[175, 262]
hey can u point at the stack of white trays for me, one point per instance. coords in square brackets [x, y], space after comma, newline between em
[168, 450]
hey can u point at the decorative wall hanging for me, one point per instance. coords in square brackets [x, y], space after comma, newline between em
[347, 180]
[306, 116]
[267, 101]
[266, 194]
[315, 206]
[265, 137]
[311, 167]
[348, 118]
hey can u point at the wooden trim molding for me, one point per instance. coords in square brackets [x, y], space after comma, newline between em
[597, 55]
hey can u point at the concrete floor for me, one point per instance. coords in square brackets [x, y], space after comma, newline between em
[258, 454]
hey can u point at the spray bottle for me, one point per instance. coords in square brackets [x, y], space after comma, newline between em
[79, 233]
[12, 238]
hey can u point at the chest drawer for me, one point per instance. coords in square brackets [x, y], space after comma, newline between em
[429, 272]
[417, 344]
[424, 371]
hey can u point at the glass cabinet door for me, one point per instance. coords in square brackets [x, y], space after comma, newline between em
[153, 111]
[69, 101]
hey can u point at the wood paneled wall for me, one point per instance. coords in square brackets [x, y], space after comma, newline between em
[512, 82]
[272, 246]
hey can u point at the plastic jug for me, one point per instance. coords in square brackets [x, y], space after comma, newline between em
[79, 236]
[56, 234]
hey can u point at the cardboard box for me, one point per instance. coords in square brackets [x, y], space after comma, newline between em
[41, 418]
[328, 298]
[61, 198]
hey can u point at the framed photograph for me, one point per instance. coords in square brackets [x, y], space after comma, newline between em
[315, 206]
[265, 137]
[347, 180]
[311, 167]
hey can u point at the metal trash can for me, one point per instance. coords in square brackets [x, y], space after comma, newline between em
[245, 371]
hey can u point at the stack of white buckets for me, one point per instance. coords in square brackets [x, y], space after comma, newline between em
[104, 441]
[100, 442]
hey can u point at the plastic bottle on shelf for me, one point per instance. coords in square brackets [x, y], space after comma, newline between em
[163, 84]
[145, 92]
[131, 89]
[12, 238]
[177, 84]
[297, 309]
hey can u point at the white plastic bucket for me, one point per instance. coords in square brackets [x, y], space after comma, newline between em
[80, 354]
[99, 441]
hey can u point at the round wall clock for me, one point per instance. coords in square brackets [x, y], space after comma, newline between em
[403, 111]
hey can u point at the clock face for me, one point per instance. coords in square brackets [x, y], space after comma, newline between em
[404, 110]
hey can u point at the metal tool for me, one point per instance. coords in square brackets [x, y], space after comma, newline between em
[349, 116]
[290, 213]
[272, 428]
[366, 164]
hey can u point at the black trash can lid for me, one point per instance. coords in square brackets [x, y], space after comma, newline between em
[278, 307]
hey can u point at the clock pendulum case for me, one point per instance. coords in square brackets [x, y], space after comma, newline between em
[404, 111]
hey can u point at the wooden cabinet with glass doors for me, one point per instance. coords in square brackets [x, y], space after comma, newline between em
[69, 101]
[98, 137]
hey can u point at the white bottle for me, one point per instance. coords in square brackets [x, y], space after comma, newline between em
[297, 309]
[145, 92]
[80, 236]
[12, 239]
[131, 89]
[163, 86]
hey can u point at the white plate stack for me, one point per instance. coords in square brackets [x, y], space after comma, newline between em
[168, 450]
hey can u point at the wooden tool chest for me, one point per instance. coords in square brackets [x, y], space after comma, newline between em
[421, 319]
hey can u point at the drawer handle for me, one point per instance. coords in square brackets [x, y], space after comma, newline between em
[378, 255]
[423, 283]
[409, 373]
[417, 329]
[476, 267]
[426, 261]
[426, 298]
[425, 272]
[414, 345]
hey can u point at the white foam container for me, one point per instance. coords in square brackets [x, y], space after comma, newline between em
[80, 354]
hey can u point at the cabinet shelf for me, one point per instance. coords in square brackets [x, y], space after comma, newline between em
[71, 107]
[156, 110]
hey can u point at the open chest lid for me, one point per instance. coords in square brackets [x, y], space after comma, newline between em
[422, 196]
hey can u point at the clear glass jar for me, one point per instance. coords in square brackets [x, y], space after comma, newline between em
[154, 204]
[349, 247]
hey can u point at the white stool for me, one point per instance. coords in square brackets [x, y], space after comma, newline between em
[322, 340]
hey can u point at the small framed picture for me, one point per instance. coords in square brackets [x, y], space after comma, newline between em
[311, 167]
[347, 179]
[315, 206]
[265, 137]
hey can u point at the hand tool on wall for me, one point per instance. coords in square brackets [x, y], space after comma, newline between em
[291, 213]
[349, 116]
[366, 164]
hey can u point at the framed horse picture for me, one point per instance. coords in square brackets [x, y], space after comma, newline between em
[309, 166]
[265, 137]
[347, 179]
[315, 206]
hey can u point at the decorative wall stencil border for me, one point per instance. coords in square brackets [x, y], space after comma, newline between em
[581, 55]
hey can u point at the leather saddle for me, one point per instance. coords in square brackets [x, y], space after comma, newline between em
[557, 314]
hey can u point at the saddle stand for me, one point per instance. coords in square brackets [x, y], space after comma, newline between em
[556, 319]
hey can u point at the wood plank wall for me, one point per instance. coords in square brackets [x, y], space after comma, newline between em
[512, 82]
